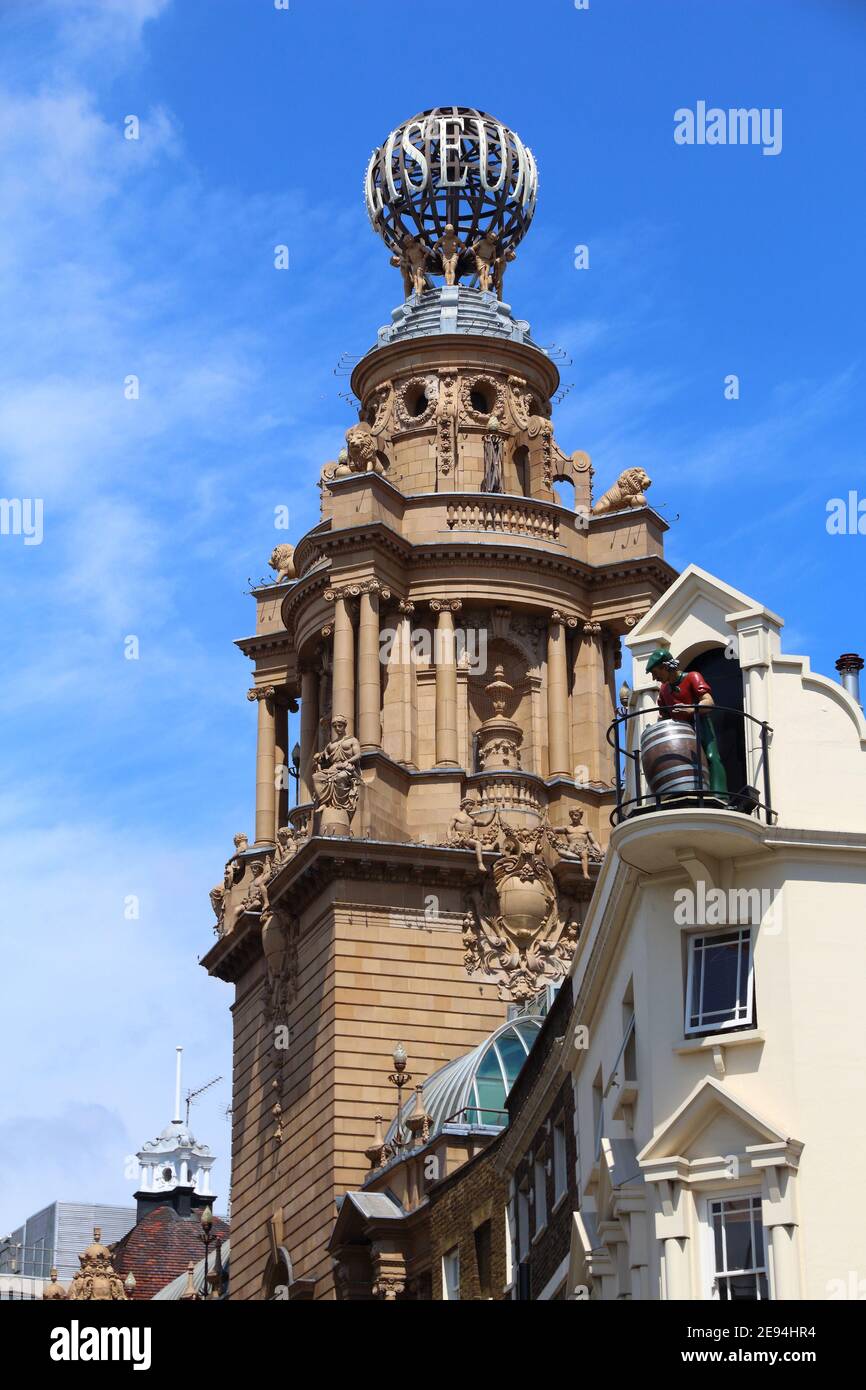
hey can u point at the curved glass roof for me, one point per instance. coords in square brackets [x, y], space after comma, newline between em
[471, 1089]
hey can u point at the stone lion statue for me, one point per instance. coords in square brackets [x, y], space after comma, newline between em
[629, 490]
[283, 562]
[361, 448]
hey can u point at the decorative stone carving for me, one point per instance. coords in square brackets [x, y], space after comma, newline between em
[499, 738]
[515, 930]
[256, 894]
[462, 832]
[261, 692]
[520, 400]
[286, 849]
[492, 481]
[446, 440]
[97, 1280]
[579, 840]
[282, 562]
[486, 385]
[224, 900]
[446, 605]
[52, 1290]
[279, 943]
[361, 454]
[408, 395]
[629, 490]
[337, 780]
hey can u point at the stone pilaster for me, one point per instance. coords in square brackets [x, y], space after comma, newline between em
[559, 758]
[369, 666]
[446, 681]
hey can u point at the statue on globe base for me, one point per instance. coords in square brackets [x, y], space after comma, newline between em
[449, 247]
[680, 692]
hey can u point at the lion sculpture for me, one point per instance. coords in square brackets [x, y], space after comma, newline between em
[629, 490]
[283, 562]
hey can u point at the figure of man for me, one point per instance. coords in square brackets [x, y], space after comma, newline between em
[679, 693]
[462, 830]
[449, 247]
[499, 271]
[582, 842]
[492, 481]
[256, 896]
[413, 264]
[484, 251]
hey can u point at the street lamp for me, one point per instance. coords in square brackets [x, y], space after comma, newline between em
[206, 1236]
[399, 1077]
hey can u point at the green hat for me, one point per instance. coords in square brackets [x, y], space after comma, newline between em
[661, 656]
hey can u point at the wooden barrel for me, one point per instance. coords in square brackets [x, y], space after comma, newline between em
[669, 753]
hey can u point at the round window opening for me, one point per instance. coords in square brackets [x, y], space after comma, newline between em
[481, 400]
[416, 401]
[167, 1174]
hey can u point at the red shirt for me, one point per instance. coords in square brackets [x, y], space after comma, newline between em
[688, 691]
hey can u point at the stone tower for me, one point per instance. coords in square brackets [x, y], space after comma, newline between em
[451, 631]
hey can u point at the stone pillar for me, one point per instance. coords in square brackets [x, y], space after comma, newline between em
[309, 732]
[343, 693]
[559, 759]
[446, 681]
[281, 765]
[369, 667]
[265, 764]
[589, 706]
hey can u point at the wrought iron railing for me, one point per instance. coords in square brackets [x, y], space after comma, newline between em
[624, 738]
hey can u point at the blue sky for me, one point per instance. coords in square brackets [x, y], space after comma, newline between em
[155, 258]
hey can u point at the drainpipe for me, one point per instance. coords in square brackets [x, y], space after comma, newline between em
[849, 667]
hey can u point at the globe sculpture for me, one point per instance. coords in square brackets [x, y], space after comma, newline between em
[452, 193]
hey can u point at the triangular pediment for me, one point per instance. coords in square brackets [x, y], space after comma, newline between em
[710, 1122]
[695, 590]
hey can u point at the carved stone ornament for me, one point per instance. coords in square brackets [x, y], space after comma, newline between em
[279, 943]
[97, 1279]
[337, 780]
[629, 490]
[408, 395]
[282, 562]
[516, 931]
[446, 441]
[487, 386]
[520, 399]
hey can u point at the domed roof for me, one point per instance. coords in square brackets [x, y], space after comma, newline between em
[176, 1135]
[471, 1089]
[454, 309]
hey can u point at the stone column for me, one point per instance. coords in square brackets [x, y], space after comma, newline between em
[369, 667]
[589, 706]
[281, 763]
[309, 732]
[265, 764]
[446, 681]
[559, 759]
[343, 693]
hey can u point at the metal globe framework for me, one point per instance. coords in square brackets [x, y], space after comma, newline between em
[452, 165]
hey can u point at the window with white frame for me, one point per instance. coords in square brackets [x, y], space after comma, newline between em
[560, 1164]
[737, 1249]
[720, 982]
[540, 1179]
[451, 1276]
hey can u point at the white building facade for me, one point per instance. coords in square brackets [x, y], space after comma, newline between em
[716, 1044]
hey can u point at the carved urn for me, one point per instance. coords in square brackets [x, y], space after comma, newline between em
[499, 737]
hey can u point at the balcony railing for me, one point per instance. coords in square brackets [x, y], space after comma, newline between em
[746, 738]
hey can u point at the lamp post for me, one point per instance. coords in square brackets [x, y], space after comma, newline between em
[399, 1077]
[206, 1229]
[295, 769]
[129, 1284]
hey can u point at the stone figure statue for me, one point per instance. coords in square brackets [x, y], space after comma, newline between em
[286, 849]
[225, 909]
[256, 895]
[499, 271]
[412, 261]
[463, 833]
[336, 776]
[484, 251]
[449, 247]
[581, 842]
[493, 481]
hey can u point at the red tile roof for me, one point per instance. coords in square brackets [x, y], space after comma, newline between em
[161, 1246]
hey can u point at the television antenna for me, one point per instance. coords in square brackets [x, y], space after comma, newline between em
[191, 1095]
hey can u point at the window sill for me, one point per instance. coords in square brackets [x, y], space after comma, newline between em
[538, 1234]
[717, 1042]
[559, 1201]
